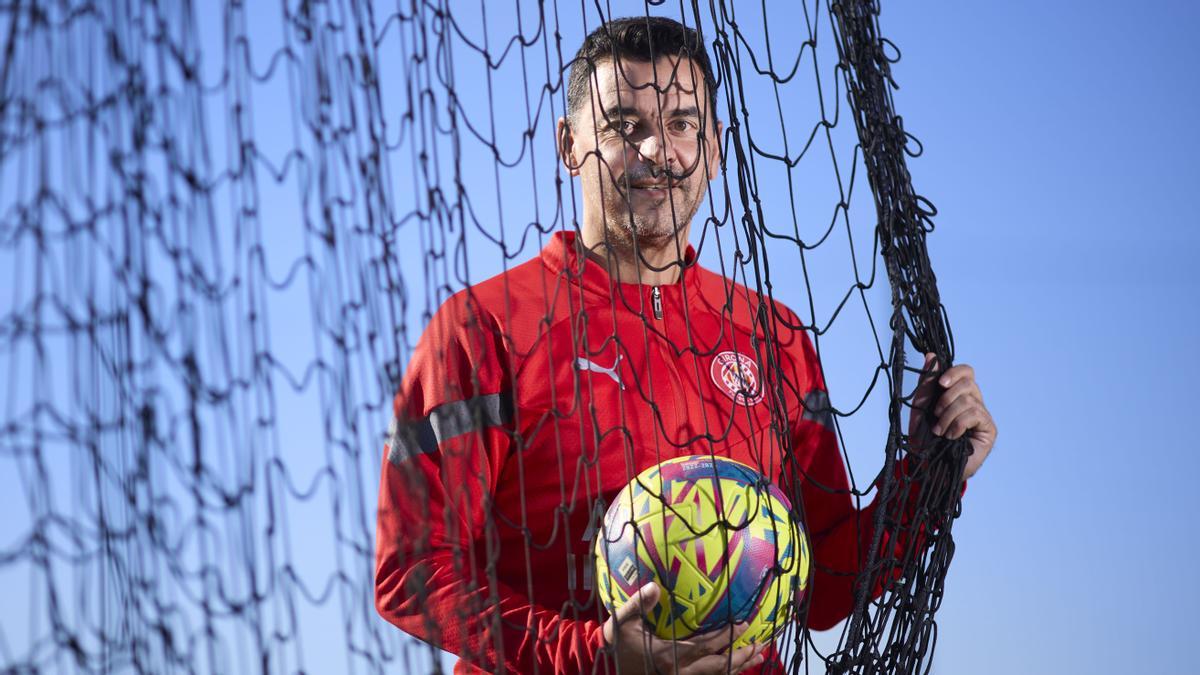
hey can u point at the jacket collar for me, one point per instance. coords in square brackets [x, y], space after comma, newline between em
[562, 256]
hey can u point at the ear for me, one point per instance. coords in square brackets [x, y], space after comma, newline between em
[714, 152]
[566, 147]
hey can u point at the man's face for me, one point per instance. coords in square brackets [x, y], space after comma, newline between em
[644, 147]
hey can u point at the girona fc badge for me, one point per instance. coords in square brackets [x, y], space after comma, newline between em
[737, 375]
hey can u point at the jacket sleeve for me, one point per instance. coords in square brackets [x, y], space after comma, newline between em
[840, 533]
[452, 431]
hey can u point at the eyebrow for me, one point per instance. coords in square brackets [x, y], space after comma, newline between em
[689, 111]
[617, 112]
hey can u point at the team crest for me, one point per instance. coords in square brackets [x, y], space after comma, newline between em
[737, 375]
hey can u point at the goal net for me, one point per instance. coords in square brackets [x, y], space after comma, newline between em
[225, 228]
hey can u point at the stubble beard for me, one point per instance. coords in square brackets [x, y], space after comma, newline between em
[654, 228]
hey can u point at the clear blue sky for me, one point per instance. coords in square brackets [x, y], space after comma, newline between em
[1060, 148]
[1062, 154]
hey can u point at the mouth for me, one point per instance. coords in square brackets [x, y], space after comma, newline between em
[652, 189]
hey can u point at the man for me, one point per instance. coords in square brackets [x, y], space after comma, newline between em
[534, 397]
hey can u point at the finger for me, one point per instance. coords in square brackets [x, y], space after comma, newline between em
[929, 370]
[960, 422]
[942, 422]
[976, 423]
[758, 660]
[639, 603]
[959, 372]
[714, 641]
[732, 662]
[965, 425]
[963, 389]
[739, 659]
[922, 401]
[924, 392]
[930, 364]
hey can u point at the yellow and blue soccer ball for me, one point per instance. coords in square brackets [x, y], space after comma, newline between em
[718, 539]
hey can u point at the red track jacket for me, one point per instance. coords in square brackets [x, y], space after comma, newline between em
[534, 397]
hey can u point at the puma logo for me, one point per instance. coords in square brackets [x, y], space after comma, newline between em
[585, 364]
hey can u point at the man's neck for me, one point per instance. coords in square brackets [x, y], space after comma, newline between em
[647, 263]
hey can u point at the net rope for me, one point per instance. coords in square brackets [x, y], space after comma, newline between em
[224, 229]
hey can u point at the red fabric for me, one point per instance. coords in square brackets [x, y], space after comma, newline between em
[483, 544]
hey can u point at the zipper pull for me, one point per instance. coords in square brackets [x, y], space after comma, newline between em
[656, 301]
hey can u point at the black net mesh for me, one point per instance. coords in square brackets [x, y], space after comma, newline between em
[225, 227]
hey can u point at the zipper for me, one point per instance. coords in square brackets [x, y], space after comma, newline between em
[656, 302]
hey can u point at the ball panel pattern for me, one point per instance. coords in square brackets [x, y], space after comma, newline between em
[718, 538]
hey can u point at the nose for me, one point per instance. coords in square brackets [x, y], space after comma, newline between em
[652, 150]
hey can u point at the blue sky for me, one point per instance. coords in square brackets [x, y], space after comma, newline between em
[1061, 154]
[1060, 149]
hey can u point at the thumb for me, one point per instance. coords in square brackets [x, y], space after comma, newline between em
[640, 603]
[925, 388]
[643, 600]
[922, 400]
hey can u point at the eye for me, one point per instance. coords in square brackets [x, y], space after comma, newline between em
[680, 125]
[623, 127]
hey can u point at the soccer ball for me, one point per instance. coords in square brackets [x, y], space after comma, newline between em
[717, 538]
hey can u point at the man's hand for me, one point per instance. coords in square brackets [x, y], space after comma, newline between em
[638, 650]
[959, 410]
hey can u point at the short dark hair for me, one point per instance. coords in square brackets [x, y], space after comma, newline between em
[637, 38]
